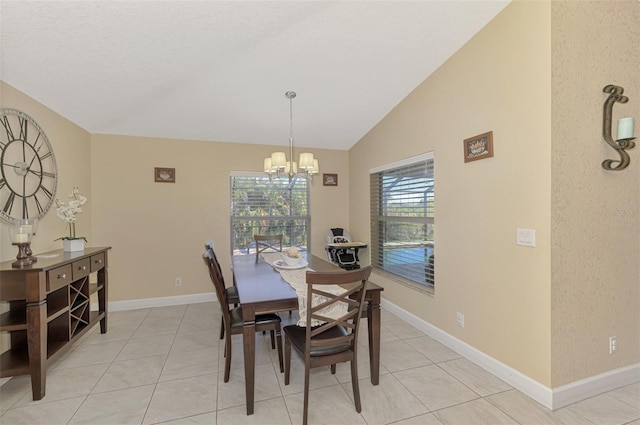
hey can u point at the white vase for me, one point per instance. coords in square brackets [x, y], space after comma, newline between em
[72, 245]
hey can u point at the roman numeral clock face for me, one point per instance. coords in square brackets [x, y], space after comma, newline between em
[28, 171]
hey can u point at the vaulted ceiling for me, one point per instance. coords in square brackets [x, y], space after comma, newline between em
[219, 70]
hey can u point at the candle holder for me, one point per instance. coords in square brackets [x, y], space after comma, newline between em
[22, 259]
[21, 233]
[615, 95]
[30, 254]
[33, 222]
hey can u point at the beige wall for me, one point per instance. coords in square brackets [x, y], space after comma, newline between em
[157, 230]
[595, 214]
[71, 147]
[500, 82]
[534, 77]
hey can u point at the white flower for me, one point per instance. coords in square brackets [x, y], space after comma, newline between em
[67, 213]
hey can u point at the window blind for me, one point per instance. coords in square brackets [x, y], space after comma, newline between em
[260, 206]
[403, 220]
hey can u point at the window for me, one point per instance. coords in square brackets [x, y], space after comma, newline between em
[268, 207]
[402, 220]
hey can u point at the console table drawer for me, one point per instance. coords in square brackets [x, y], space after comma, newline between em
[97, 262]
[81, 268]
[58, 277]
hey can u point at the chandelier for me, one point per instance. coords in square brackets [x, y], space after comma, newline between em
[277, 164]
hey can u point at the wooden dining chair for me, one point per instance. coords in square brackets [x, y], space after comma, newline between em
[232, 317]
[231, 291]
[267, 242]
[334, 341]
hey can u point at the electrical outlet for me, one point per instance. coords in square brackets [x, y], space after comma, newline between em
[178, 281]
[613, 344]
[460, 319]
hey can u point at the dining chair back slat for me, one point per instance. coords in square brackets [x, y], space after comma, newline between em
[231, 292]
[267, 242]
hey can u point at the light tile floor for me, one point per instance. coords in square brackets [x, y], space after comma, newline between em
[164, 365]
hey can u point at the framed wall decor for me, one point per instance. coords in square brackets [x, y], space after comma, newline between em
[329, 179]
[164, 175]
[478, 147]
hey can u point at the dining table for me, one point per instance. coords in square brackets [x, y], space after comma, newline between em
[261, 289]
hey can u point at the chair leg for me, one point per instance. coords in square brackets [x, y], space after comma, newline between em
[333, 369]
[287, 359]
[273, 341]
[279, 341]
[227, 360]
[305, 411]
[354, 385]
[221, 328]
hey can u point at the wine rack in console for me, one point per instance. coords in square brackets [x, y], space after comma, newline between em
[50, 308]
[79, 305]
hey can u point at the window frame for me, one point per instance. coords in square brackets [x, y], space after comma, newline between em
[287, 235]
[380, 224]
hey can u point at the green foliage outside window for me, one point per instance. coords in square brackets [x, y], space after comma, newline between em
[260, 206]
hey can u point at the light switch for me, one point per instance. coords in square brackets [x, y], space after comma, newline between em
[526, 237]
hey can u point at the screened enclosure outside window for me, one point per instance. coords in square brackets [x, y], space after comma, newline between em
[402, 220]
[260, 206]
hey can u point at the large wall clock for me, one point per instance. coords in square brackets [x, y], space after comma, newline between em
[28, 171]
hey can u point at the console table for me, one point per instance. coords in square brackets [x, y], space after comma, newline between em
[49, 309]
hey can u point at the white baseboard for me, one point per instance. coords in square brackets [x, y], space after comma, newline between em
[551, 398]
[158, 302]
[593, 385]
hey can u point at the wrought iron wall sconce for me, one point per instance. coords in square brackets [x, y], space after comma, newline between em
[625, 130]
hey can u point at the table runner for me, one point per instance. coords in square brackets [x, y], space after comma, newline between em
[298, 281]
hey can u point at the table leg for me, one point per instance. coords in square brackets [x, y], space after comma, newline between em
[249, 347]
[373, 319]
[103, 296]
[37, 347]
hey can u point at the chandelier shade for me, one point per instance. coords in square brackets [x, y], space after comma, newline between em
[278, 160]
[306, 161]
[277, 165]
